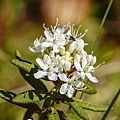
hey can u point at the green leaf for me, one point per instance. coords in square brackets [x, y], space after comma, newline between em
[53, 114]
[8, 96]
[90, 106]
[30, 96]
[79, 110]
[37, 84]
[50, 98]
[90, 89]
[18, 54]
[27, 69]
[25, 65]
[71, 116]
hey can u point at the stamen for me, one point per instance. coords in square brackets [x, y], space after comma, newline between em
[56, 25]
[84, 34]
[72, 29]
[78, 30]
[99, 65]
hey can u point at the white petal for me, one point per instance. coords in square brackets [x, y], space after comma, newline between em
[77, 75]
[72, 46]
[55, 48]
[40, 74]
[90, 69]
[63, 88]
[78, 84]
[91, 78]
[67, 66]
[58, 69]
[63, 77]
[79, 44]
[94, 60]
[47, 59]
[47, 44]
[77, 63]
[41, 64]
[70, 91]
[48, 35]
[32, 49]
[84, 61]
[61, 43]
[82, 75]
[58, 31]
[52, 76]
[36, 42]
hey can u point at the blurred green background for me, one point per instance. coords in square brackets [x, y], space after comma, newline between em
[21, 22]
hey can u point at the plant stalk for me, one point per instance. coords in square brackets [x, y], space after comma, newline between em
[111, 105]
[101, 25]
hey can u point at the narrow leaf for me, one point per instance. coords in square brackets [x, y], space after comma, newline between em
[90, 89]
[37, 84]
[8, 96]
[71, 116]
[101, 25]
[18, 54]
[53, 114]
[48, 101]
[111, 104]
[50, 98]
[30, 96]
[90, 106]
[27, 69]
[79, 110]
[24, 65]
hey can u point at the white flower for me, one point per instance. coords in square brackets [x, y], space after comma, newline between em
[64, 58]
[38, 47]
[85, 66]
[70, 83]
[49, 68]
[77, 42]
[77, 45]
[56, 38]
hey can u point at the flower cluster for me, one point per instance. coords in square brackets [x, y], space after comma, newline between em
[63, 58]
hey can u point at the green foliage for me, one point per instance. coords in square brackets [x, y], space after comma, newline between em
[29, 99]
[30, 96]
[53, 114]
[90, 89]
[24, 65]
[50, 98]
[71, 116]
[79, 110]
[27, 69]
[8, 96]
[90, 106]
